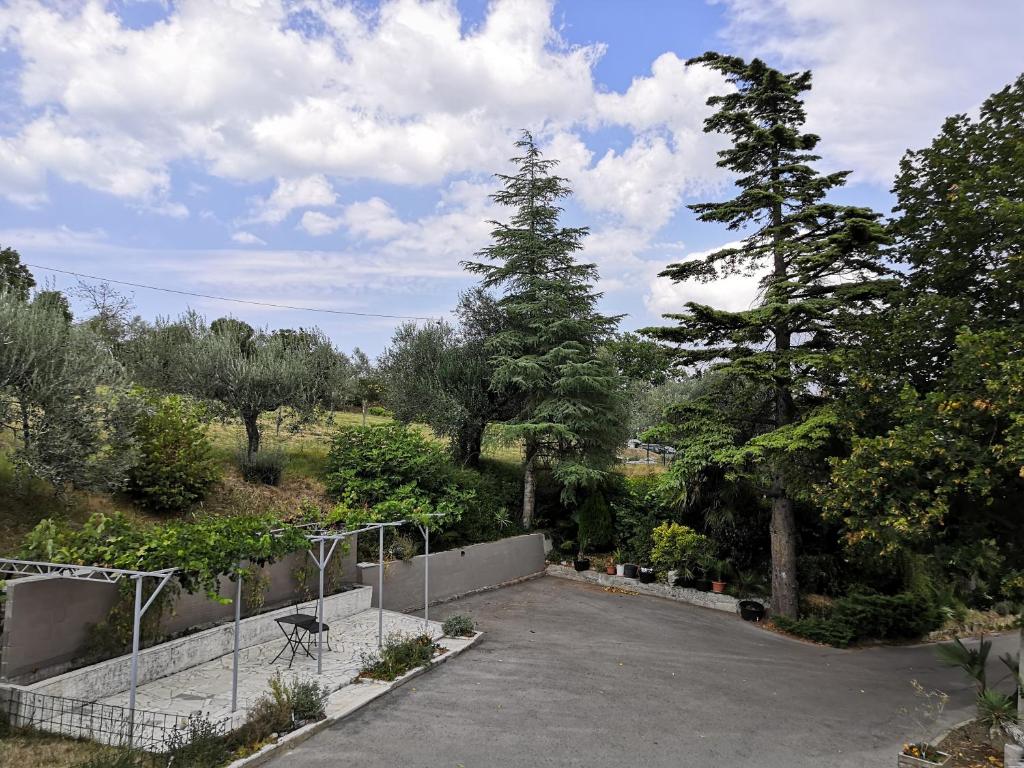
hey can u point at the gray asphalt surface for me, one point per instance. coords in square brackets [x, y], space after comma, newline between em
[570, 675]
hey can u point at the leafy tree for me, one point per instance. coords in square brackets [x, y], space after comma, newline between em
[56, 301]
[66, 397]
[176, 466]
[820, 264]
[640, 360]
[367, 383]
[936, 461]
[441, 375]
[248, 372]
[960, 230]
[15, 279]
[547, 356]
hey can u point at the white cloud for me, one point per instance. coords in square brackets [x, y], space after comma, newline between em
[289, 194]
[373, 219]
[247, 238]
[319, 224]
[732, 293]
[885, 74]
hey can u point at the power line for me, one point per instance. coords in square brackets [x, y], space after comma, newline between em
[225, 298]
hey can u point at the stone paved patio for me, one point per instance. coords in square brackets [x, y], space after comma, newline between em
[207, 687]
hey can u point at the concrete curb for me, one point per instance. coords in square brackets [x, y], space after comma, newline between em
[373, 691]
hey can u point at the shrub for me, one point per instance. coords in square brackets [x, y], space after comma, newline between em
[176, 467]
[378, 410]
[863, 617]
[594, 520]
[277, 711]
[309, 700]
[264, 466]
[679, 547]
[197, 744]
[826, 631]
[458, 626]
[399, 654]
[996, 709]
[887, 617]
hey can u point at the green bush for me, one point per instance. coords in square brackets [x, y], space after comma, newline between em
[637, 511]
[824, 631]
[280, 709]
[458, 626]
[679, 547]
[266, 466]
[887, 617]
[867, 617]
[399, 654]
[197, 744]
[594, 521]
[378, 410]
[176, 467]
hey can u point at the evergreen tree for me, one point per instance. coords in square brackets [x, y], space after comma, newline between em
[820, 264]
[547, 355]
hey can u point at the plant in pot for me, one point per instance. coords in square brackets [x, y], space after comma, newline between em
[582, 563]
[678, 550]
[609, 566]
[646, 575]
[921, 754]
[617, 559]
[719, 568]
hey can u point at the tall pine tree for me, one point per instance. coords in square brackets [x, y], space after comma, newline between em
[548, 355]
[820, 265]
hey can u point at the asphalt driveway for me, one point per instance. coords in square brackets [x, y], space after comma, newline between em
[570, 675]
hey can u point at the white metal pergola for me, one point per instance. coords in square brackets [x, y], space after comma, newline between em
[19, 568]
[318, 540]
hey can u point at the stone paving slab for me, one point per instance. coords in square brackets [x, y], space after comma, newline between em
[206, 688]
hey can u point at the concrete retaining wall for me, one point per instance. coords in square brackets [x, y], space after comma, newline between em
[47, 619]
[714, 600]
[110, 677]
[456, 571]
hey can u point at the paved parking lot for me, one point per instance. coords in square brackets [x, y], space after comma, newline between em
[571, 675]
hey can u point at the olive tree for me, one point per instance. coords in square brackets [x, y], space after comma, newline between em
[63, 396]
[247, 371]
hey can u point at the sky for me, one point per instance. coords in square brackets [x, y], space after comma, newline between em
[340, 155]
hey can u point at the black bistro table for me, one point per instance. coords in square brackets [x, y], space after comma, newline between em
[300, 631]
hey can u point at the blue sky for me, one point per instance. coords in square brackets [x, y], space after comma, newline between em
[338, 155]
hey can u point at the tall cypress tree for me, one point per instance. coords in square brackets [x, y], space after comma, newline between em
[820, 265]
[548, 355]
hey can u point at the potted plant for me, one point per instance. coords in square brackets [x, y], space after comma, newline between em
[646, 575]
[582, 563]
[618, 558]
[609, 567]
[921, 754]
[678, 551]
[719, 568]
[630, 570]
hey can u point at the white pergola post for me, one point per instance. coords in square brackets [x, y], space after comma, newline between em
[133, 676]
[238, 621]
[380, 586]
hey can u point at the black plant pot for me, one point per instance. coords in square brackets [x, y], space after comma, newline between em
[630, 571]
[583, 564]
[751, 610]
[646, 575]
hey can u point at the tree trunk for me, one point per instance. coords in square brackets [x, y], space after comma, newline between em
[785, 594]
[468, 445]
[366, 406]
[252, 431]
[529, 491]
[783, 540]
[26, 434]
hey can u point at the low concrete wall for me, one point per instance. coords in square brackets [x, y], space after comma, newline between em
[47, 619]
[456, 571]
[719, 602]
[110, 677]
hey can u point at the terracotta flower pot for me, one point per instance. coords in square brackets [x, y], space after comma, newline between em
[718, 586]
[610, 570]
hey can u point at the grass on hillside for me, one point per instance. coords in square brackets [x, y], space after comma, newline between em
[31, 749]
[306, 447]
